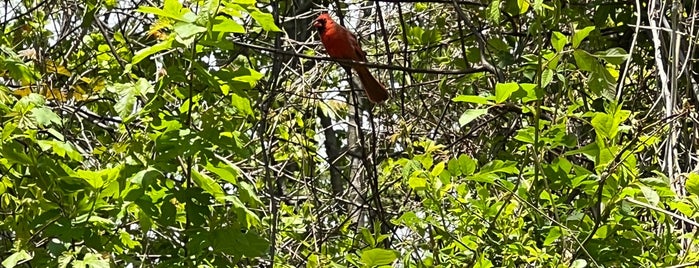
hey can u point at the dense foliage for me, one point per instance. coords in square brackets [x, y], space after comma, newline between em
[216, 133]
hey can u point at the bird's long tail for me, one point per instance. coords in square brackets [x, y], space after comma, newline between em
[373, 88]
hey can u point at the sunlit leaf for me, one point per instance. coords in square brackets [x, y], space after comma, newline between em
[580, 34]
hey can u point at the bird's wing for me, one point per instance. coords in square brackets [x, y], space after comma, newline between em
[361, 55]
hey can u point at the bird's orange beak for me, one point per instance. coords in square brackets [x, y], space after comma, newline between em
[316, 24]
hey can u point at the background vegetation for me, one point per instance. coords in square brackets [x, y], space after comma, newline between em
[217, 133]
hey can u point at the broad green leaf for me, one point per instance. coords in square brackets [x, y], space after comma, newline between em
[241, 104]
[682, 207]
[186, 29]
[207, 183]
[144, 53]
[585, 61]
[525, 135]
[692, 183]
[554, 234]
[417, 183]
[580, 34]
[265, 20]
[470, 115]
[546, 77]
[92, 260]
[60, 148]
[313, 261]
[232, 241]
[16, 258]
[71, 184]
[226, 25]
[172, 9]
[614, 56]
[225, 172]
[437, 169]
[145, 177]
[45, 116]
[533, 91]
[523, 6]
[558, 41]
[128, 94]
[483, 262]
[601, 82]
[14, 153]
[247, 194]
[243, 212]
[379, 256]
[498, 44]
[651, 195]
[579, 263]
[471, 99]
[503, 91]
[498, 166]
[467, 164]
[161, 13]
[126, 240]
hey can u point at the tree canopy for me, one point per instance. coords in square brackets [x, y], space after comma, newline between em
[218, 133]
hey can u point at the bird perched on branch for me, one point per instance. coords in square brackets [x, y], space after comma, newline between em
[342, 44]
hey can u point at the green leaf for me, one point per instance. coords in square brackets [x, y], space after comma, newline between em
[60, 148]
[503, 91]
[579, 263]
[471, 99]
[226, 25]
[145, 177]
[14, 153]
[483, 262]
[207, 183]
[546, 77]
[128, 94]
[692, 183]
[493, 11]
[379, 256]
[467, 164]
[417, 183]
[265, 20]
[614, 56]
[499, 166]
[144, 53]
[533, 91]
[470, 115]
[604, 125]
[186, 29]
[554, 234]
[241, 104]
[437, 169]
[651, 195]
[172, 9]
[523, 6]
[525, 135]
[558, 41]
[580, 34]
[585, 61]
[232, 241]
[16, 258]
[45, 116]
[225, 172]
[92, 260]
[247, 194]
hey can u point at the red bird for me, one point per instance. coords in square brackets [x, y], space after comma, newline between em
[342, 44]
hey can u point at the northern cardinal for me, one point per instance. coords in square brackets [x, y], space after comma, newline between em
[342, 44]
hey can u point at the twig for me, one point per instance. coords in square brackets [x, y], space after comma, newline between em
[372, 65]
